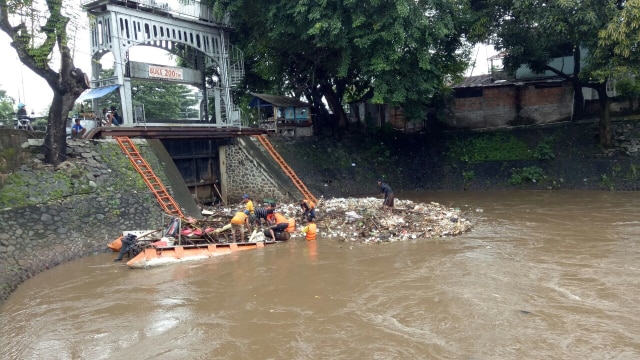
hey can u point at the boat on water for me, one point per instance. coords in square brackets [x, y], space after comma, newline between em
[184, 240]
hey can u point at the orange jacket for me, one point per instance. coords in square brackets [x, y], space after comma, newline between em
[307, 204]
[281, 219]
[292, 225]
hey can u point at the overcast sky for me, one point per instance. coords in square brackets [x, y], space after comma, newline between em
[23, 85]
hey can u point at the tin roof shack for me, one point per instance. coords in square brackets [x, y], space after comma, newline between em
[283, 116]
[482, 102]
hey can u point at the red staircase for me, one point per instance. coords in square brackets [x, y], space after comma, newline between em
[287, 170]
[165, 200]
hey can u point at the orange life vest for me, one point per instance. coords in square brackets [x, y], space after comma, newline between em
[292, 225]
[311, 232]
[281, 219]
[309, 204]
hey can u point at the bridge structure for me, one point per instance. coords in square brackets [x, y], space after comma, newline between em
[186, 28]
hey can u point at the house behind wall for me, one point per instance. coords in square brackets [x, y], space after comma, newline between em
[479, 103]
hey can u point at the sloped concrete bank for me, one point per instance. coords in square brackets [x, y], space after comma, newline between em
[53, 215]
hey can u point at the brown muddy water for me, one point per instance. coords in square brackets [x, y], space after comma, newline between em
[543, 275]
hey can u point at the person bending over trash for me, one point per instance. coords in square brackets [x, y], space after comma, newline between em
[308, 209]
[262, 213]
[238, 223]
[280, 224]
[387, 192]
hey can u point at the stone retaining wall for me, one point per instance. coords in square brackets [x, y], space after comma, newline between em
[97, 195]
[245, 174]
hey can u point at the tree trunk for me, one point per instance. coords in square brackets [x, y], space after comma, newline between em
[336, 107]
[578, 102]
[605, 118]
[578, 97]
[55, 141]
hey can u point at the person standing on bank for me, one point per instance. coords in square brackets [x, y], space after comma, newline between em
[387, 193]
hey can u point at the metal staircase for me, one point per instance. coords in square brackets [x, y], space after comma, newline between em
[285, 167]
[166, 201]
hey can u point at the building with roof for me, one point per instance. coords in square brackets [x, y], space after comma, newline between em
[482, 101]
[282, 115]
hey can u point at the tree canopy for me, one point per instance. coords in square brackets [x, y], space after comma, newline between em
[164, 100]
[398, 52]
[534, 32]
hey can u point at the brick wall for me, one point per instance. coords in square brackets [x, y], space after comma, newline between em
[513, 105]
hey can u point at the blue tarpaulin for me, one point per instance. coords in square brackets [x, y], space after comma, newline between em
[97, 92]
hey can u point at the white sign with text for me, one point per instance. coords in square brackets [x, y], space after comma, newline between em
[164, 72]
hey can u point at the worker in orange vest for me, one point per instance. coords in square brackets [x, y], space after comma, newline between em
[280, 223]
[310, 230]
[308, 209]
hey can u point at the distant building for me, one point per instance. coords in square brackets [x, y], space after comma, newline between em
[483, 102]
[283, 116]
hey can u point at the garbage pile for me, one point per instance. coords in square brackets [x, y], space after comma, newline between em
[362, 220]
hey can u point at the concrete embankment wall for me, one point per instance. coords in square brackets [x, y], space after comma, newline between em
[50, 216]
[246, 168]
[54, 215]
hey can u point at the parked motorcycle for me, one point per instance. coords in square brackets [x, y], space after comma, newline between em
[23, 123]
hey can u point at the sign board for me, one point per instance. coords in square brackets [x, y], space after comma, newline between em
[181, 75]
[164, 72]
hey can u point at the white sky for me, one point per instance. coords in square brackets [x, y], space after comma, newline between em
[480, 53]
[25, 86]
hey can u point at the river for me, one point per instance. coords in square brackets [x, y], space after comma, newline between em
[543, 275]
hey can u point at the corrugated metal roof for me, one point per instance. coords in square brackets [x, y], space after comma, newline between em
[475, 81]
[487, 80]
[277, 100]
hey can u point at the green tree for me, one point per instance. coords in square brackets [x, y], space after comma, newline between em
[163, 100]
[397, 52]
[6, 106]
[38, 30]
[534, 32]
[623, 35]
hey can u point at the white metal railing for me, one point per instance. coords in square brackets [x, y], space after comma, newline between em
[191, 9]
[104, 82]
